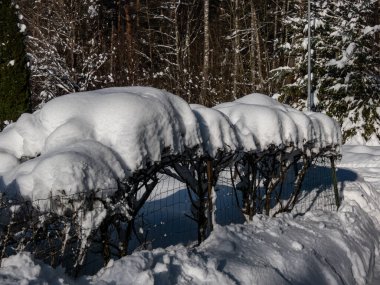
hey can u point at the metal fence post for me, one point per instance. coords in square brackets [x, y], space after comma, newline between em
[335, 182]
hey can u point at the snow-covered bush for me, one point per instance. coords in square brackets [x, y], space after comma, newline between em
[83, 166]
[276, 137]
[103, 149]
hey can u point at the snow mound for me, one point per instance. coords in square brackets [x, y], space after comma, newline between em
[138, 123]
[23, 269]
[218, 134]
[8, 161]
[260, 126]
[327, 131]
[89, 140]
[75, 168]
[261, 122]
[175, 265]
[262, 100]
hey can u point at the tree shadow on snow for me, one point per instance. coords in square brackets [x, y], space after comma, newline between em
[169, 220]
[317, 191]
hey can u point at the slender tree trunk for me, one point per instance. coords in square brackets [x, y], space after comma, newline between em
[129, 37]
[178, 49]
[255, 30]
[252, 50]
[186, 56]
[275, 31]
[236, 49]
[206, 57]
[112, 45]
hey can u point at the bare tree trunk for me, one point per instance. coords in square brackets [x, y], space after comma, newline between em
[112, 46]
[206, 57]
[252, 50]
[236, 49]
[186, 56]
[130, 38]
[275, 31]
[256, 32]
[150, 40]
[178, 49]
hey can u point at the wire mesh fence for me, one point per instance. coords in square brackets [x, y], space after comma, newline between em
[316, 193]
[167, 218]
[60, 229]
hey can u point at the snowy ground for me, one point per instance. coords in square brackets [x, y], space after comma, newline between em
[320, 247]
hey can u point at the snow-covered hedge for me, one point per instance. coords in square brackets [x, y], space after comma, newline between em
[94, 156]
[261, 121]
[89, 140]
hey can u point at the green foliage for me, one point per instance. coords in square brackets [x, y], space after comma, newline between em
[345, 64]
[14, 95]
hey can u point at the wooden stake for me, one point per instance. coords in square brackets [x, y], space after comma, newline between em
[210, 195]
[335, 183]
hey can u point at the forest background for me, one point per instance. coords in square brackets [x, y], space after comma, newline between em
[206, 51]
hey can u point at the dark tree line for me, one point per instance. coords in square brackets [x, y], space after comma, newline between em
[14, 92]
[211, 51]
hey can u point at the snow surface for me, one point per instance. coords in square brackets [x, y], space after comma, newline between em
[320, 247]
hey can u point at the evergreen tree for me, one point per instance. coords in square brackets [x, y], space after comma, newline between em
[345, 65]
[350, 81]
[14, 95]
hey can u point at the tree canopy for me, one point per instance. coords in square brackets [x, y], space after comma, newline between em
[212, 51]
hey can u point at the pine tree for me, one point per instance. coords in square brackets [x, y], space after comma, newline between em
[350, 81]
[14, 94]
[345, 65]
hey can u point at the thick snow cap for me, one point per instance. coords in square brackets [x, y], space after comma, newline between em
[218, 133]
[261, 121]
[88, 140]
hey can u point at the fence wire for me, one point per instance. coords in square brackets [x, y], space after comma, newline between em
[167, 217]
[317, 190]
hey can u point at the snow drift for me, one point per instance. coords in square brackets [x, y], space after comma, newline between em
[317, 248]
